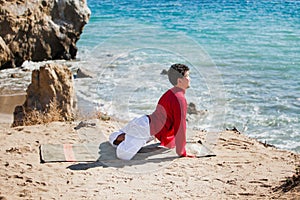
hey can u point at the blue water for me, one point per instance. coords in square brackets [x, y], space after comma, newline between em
[244, 58]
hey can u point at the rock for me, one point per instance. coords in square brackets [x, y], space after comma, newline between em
[19, 116]
[13, 76]
[40, 30]
[5, 55]
[83, 73]
[51, 87]
[192, 109]
[3, 198]
[164, 72]
[234, 129]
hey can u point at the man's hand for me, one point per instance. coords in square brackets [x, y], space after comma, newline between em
[188, 155]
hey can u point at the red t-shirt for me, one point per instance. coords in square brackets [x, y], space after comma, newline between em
[168, 121]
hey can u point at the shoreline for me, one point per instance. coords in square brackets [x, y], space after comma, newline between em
[85, 110]
[269, 130]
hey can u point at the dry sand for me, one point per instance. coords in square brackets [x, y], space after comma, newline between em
[242, 169]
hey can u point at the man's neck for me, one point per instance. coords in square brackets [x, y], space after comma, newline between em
[181, 88]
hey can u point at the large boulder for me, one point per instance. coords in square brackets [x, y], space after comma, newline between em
[40, 30]
[49, 94]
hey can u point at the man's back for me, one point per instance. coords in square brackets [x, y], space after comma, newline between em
[168, 121]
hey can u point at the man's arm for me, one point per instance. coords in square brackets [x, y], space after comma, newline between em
[180, 125]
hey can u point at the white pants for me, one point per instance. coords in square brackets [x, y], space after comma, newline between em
[137, 134]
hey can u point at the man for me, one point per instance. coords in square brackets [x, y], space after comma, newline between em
[167, 123]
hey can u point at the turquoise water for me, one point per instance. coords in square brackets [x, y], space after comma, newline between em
[244, 58]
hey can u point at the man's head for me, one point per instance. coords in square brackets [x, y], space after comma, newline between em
[179, 75]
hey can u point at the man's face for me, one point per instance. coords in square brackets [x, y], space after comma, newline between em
[185, 80]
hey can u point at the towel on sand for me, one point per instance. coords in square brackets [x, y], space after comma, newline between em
[89, 152]
[97, 151]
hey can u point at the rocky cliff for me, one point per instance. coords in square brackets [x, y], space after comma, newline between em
[40, 30]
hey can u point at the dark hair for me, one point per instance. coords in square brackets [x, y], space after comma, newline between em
[177, 71]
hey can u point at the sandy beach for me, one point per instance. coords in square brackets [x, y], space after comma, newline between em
[243, 168]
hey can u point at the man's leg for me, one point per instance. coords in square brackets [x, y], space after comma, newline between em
[127, 149]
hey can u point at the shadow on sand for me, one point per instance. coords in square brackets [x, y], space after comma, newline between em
[149, 158]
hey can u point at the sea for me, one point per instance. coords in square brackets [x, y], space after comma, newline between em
[244, 59]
